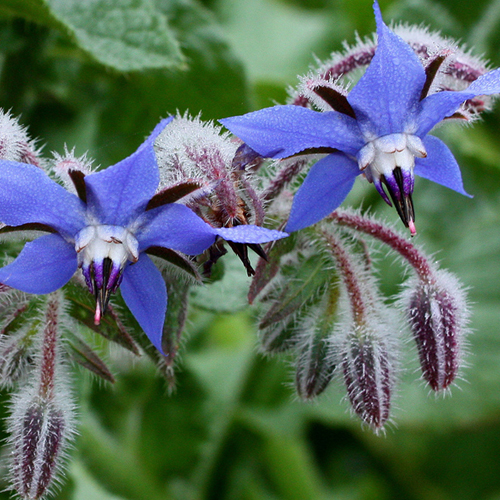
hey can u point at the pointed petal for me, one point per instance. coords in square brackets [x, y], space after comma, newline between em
[282, 131]
[389, 90]
[249, 234]
[119, 193]
[324, 189]
[436, 107]
[29, 195]
[177, 227]
[43, 266]
[440, 165]
[144, 291]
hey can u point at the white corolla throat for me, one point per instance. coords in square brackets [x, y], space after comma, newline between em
[103, 252]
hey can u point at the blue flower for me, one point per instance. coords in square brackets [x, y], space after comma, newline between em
[380, 129]
[107, 231]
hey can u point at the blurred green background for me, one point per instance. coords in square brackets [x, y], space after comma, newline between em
[98, 75]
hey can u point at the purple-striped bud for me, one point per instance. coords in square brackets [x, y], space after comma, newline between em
[38, 442]
[368, 369]
[438, 316]
[40, 423]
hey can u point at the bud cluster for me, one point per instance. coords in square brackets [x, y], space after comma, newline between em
[321, 304]
[219, 171]
[15, 143]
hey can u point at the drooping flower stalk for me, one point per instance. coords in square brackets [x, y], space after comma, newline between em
[41, 418]
[403, 246]
[367, 358]
[287, 173]
[434, 303]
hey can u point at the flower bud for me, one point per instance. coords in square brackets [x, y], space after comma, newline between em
[38, 440]
[40, 423]
[437, 313]
[15, 143]
[315, 361]
[71, 170]
[368, 371]
[191, 150]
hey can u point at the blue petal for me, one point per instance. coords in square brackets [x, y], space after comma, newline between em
[324, 189]
[249, 234]
[27, 195]
[119, 193]
[283, 131]
[389, 91]
[440, 165]
[177, 227]
[436, 107]
[144, 291]
[43, 266]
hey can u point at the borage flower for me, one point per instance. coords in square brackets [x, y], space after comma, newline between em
[380, 129]
[107, 230]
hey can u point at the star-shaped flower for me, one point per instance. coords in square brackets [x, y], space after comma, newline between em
[380, 129]
[107, 231]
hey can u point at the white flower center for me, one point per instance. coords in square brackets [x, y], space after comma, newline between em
[96, 243]
[103, 251]
[382, 155]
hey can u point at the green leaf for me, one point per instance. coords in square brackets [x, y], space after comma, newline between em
[85, 485]
[34, 10]
[126, 35]
[227, 295]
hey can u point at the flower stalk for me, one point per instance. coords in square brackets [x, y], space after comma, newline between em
[41, 418]
[434, 303]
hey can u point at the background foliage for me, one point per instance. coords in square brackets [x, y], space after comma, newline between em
[98, 75]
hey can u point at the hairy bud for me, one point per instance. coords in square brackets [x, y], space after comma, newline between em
[41, 417]
[38, 441]
[368, 370]
[15, 143]
[438, 316]
[71, 169]
[189, 150]
[315, 362]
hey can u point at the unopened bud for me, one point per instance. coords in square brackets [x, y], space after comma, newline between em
[279, 336]
[437, 313]
[315, 362]
[37, 446]
[369, 377]
[15, 143]
[72, 170]
[14, 351]
[40, 423]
